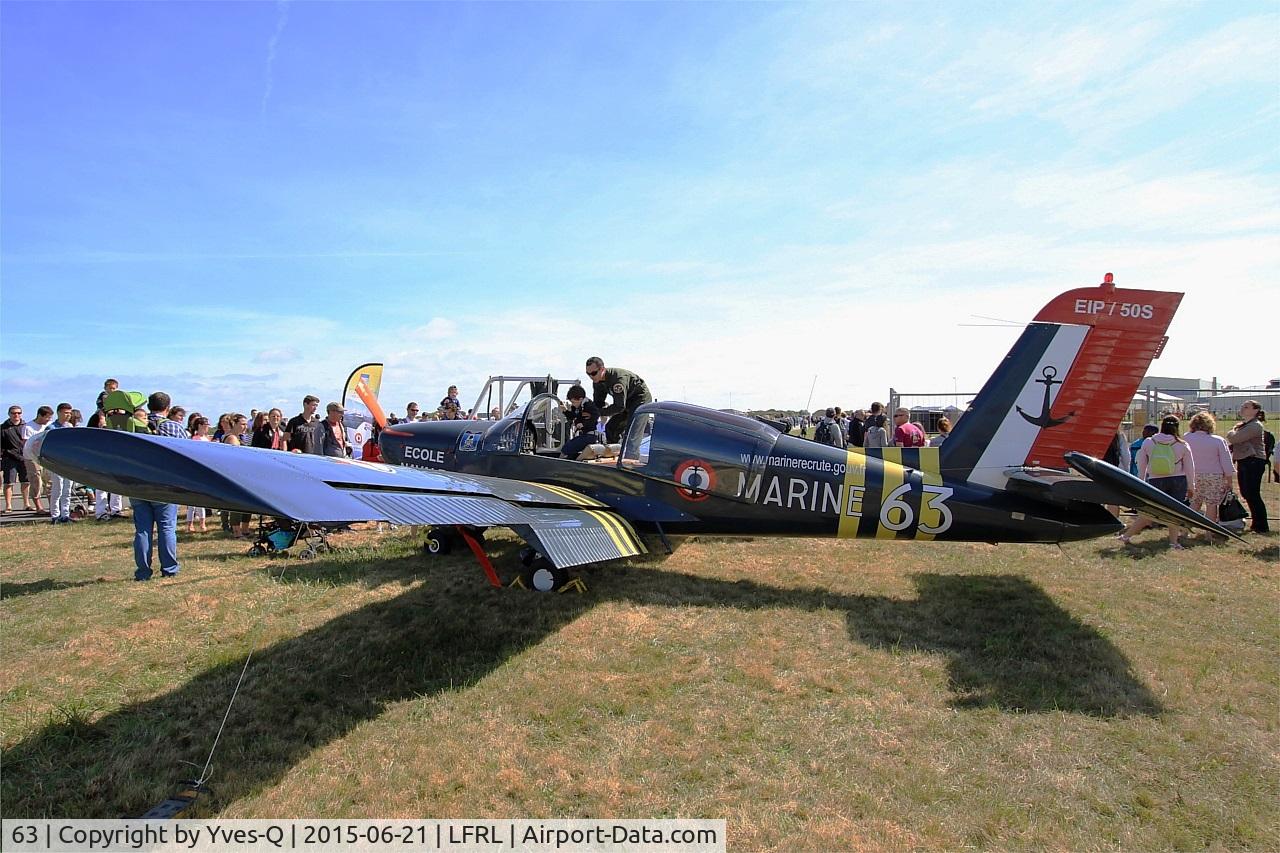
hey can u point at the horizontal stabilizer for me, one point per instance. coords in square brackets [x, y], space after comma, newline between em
[1143, 496]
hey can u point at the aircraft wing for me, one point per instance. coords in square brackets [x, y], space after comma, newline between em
[568, 527]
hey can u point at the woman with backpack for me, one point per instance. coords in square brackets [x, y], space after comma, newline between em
[1165, 461]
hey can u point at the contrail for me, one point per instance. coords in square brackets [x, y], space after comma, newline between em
[282, 18]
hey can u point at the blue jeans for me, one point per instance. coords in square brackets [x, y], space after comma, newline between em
[164, 518]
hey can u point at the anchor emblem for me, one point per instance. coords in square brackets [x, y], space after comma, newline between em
[1044, 419]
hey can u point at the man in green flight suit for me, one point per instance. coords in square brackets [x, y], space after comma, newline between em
[628, 390]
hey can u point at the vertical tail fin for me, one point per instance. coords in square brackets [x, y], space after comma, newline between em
[1066, 384]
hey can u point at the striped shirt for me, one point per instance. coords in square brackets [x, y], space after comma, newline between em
[171, 429]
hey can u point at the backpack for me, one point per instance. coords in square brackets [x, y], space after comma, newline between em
[118, 407]
[1268, 443]
[822, 434]
[1161, 461]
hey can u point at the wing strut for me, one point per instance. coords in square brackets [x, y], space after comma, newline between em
[481, 556]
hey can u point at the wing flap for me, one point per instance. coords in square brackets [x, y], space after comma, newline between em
[574, 537]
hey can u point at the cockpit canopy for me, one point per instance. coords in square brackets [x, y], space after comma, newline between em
[702, 450]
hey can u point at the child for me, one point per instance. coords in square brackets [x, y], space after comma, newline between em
[199, 432]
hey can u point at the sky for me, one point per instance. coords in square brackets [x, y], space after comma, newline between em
[238, 203]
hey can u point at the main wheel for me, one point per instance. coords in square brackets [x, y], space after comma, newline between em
[438, 543]
[541, 576]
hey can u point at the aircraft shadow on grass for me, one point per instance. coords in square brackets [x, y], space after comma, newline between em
[1007, 645]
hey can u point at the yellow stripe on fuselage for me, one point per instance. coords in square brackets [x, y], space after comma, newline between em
[855, 478]
[894, 476]
[931, 475]
[568, 494]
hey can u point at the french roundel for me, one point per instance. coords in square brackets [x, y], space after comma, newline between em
[696, 479]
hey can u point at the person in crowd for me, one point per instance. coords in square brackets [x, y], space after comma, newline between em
[583, 419]
[857, 428]
[1147, 431]
[876, 433]
[944, 430]
[411, 412]
[828, 430]
[627, 389]
[141, 420]
[1117, 454]
[198, 426]
[158, 404]
[35, 475]
[59, 486]
[1165, 461]
[496, 413]
[333, 434]
[905, 433]
[238, 522]
[76, 417]
[107, 387]
[155, 524]
[270, 433]
[1247, 440]
[224, 426]
[304, 418]
[14, 468]
[450, 408]
[1214, 469]
[179, 414]
[106, 506]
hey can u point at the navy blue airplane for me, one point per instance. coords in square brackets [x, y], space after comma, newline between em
[1020, 466]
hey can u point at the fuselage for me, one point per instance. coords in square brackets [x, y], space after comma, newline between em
[728, 475]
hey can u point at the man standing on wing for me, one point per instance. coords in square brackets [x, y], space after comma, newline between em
[628, 390]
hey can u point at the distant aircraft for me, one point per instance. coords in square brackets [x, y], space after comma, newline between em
[1019, 466]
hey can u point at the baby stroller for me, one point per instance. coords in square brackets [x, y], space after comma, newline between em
[81, 501]
[277, 535]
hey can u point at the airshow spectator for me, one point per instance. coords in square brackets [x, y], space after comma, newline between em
[1117, 452]
[876, 433]
[905, 433]
[31, 429]
[270, 433]
[828, 430]
[237, 522]
[304, 418]
[333, 435]
[76, 417]
[198, 426]
[450, 407]
[13, 467]
[857, 428]
[60, 486]
[224, 427]
[1165, 461]
[107, 387]
[159, 418]
[155, 523]
[1147, 431]
[1213, 465]
[411, 412]
[106, 506]
[1248, 449]
[944, 430]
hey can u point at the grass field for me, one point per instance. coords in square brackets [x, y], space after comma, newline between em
[818, 695]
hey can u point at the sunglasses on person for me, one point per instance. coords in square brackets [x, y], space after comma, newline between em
[593, 373]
